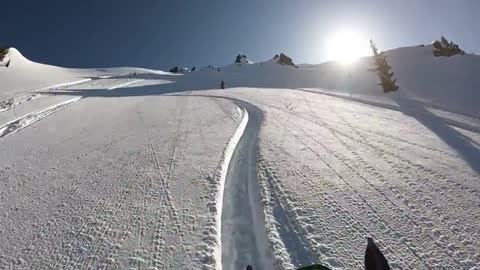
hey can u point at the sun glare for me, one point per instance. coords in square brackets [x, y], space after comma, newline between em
[346, 47]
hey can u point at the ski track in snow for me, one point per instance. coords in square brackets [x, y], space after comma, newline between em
[30, 118]
[224, 169]
[244, 240]
[18, 99]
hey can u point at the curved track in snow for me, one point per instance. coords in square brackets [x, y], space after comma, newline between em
[243, 237]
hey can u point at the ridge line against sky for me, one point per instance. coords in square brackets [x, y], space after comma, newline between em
[160, 34]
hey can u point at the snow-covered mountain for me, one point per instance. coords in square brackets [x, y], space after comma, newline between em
[448, 82]
[24, 75]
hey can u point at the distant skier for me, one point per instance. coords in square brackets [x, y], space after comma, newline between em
[134, 74]
[222, 84]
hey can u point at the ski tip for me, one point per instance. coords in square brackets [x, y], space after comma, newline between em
[374, 258]
[370, 241]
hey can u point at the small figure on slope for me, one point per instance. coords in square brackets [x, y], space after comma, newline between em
[222, 84]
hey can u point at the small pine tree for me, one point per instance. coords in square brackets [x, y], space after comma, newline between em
[382, 68]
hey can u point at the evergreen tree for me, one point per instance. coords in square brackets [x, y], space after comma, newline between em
[382, 68]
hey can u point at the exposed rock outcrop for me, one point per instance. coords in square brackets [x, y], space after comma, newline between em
[179, 69]
[242, 59]
[446, 48]
[283, 59]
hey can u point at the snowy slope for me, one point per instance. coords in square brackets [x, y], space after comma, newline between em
[23, 75]
[333, 172]
[115, 183]
[294, 166]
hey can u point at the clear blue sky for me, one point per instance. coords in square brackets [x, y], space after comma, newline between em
[159, 34]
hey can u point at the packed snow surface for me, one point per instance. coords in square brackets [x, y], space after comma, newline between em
[129, 168]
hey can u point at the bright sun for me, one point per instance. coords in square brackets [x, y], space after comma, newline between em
[346, 47]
